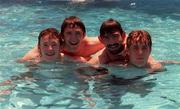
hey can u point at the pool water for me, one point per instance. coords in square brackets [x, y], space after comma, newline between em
[57, 85]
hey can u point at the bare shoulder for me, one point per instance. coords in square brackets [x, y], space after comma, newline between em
[33, 53]
[90, 45]
[154, 65]
[91, 40]
[152, 60]
[94, 60]
[98, 58]
[100, 52]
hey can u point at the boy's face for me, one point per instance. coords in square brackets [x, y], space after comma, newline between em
[112, 41]
[73, 37]
[49, 47]
[139, 54]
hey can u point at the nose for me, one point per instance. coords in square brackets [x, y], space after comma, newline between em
[50, 48]
[111, 40]
[140, 51]
[73, 37]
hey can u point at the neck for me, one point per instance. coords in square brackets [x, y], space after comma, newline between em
[118, 51]
[70, 50]
[113, 53]
[49, 59]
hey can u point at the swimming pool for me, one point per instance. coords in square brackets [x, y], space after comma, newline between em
[57, 86]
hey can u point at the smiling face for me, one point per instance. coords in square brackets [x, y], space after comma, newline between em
[72, 31]
[113, 41]
[112, 36]
[49, 44]
[139, 47]
[72, 37]
[49, 48]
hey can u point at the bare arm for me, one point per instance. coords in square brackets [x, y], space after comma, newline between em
[92, 45]
[32, 54]
[169, 62]
[99, 58]
[154, 66]
[93, 60]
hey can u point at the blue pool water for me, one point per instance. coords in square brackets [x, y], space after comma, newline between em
[57, 86]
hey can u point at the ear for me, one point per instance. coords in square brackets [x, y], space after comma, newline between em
[100, 39]
[127, 51]
[84, 35]
[124, 37]
[150, 50]
[61, 48]
[39, 50]
[61, 37]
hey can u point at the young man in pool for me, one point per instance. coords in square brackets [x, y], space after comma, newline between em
[139, 49]
[73, 32]
[113, 37]
[76, 44]
[49, 45]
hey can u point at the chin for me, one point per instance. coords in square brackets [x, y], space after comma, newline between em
[50, 57]
[73, 47]
[114, 51]
[139, 64]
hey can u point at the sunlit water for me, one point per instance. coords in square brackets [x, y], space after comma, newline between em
[57, 86]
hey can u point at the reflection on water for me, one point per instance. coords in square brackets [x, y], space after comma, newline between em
[113, 88]
[57, 85]
[46, 85]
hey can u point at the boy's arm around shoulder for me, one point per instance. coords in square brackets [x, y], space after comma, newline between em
[92, 45]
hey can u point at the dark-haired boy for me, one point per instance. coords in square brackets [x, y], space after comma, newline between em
[113, 37]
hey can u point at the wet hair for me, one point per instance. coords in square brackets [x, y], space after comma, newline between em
[139, 36]
[109, 26]
[51, 32]
[72, 22]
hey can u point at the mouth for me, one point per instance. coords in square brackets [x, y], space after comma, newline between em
[74, 43]
[140, 58]
[50, 54]
[113, 46]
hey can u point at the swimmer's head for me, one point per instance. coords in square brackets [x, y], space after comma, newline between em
[112, 36]
[49, 43]
[139, 47]
[72, 22]
[110, 26]
[73, 31]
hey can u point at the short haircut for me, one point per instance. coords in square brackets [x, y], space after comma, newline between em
[72, 22]
[52, 32]
[109, 26]
[139, 36]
